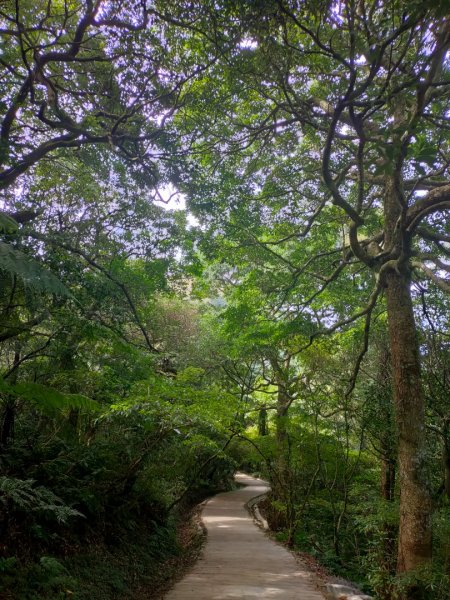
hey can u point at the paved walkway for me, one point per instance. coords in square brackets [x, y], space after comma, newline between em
[239, 561]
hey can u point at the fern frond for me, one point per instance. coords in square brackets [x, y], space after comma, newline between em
[48, 400]
[82, 402]
[30, 271]
[21, 494]
[7, 223]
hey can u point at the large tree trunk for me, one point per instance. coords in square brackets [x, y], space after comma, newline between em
[414, 544]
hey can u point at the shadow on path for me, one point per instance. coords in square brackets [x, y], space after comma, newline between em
[239, 561]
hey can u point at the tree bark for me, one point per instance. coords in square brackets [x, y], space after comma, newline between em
[414, 544]
[9, 409]
[262, 422]
[283, 490]
[387, 478]
[446, 461]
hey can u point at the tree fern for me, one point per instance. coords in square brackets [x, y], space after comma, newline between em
[30, 271]
[47, 399]
[7, 223]
[20, 494]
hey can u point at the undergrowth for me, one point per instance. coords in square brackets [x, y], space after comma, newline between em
[143, 560]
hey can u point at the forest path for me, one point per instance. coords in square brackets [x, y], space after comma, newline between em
[239, 561]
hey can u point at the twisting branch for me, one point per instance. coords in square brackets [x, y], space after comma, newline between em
[17, 329]
[436, 200]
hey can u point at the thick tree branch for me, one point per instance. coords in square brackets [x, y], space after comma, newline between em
[438, 281]
[435, 201]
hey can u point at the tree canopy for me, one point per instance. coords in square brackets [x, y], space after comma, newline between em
[289, 316]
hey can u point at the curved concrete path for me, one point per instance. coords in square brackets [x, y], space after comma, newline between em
[239, 561]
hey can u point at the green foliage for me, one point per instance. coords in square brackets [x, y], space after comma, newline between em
[7, 565]
[24, 495]
[32, 273]
[7, 224]
[47, 578]
[426, 582]
[50, 401]
[145, 359]
[50, 578]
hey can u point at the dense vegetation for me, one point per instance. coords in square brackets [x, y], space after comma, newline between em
[289, 316]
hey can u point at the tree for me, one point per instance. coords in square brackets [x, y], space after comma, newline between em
[88, 73]
[330, 131]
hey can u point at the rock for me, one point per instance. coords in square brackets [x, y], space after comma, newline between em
[337, 591]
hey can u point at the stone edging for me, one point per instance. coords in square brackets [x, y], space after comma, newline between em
[336, 591]
[333, 591]
[252, 507]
